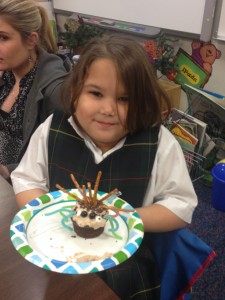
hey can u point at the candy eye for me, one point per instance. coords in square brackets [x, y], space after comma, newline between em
[84, 214]
[92, 215]
[98, 219]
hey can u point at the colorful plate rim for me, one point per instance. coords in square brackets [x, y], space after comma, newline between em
[19, 239]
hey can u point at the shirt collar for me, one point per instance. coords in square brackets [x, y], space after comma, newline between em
[98, 156]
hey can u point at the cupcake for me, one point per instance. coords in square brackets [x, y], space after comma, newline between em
[90, 213]
[89, 222]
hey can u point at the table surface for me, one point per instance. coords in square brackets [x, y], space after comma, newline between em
[21, 280]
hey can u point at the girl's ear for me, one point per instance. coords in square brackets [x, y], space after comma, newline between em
[32, 40]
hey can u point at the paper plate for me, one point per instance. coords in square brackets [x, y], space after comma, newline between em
[42, 233]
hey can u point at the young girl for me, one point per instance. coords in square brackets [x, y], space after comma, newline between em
[114, 125]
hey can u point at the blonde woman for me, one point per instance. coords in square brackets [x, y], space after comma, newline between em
[31, 76]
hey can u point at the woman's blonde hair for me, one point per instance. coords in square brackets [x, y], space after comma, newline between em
[27, 16]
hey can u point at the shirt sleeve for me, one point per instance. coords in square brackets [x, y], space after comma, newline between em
[32, 171]
[170, 184]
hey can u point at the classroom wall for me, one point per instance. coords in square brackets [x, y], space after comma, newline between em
[216, 82]
[148, 13]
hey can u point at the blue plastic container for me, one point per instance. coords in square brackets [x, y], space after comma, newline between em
[218, 188]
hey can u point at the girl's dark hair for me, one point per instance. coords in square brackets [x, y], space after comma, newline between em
[145, 97]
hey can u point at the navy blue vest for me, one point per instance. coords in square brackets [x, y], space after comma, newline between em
[127, 169]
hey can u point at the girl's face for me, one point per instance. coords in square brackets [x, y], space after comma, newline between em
[101, 109]
[14, 52]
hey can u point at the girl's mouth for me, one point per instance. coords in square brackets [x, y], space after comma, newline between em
[105, 124]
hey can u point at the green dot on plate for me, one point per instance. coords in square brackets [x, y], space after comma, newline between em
[25, 250]
[45, 198]
[120, 256]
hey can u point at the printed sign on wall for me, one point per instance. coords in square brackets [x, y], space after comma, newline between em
[189, 71]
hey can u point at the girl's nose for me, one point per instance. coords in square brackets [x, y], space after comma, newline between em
[108, 107]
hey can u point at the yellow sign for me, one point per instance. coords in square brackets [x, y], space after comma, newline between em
[188, 71]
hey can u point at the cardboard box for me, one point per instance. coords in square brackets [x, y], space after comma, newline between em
[173, 91]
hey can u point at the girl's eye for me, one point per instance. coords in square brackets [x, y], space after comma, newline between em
[3, 38]
[123, 98]
[96, 94]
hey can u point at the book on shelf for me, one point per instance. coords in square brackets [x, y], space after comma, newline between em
[179, 131]
[186, 139]
[190, 133]
[189, 126]
[194, 128]
[209, 96]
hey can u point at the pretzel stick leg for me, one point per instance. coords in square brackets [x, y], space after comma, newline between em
[89, 189]
[76, 183]
[90, 199]
[108, 195]
[70, 194]
[84, 194]
[97, 185]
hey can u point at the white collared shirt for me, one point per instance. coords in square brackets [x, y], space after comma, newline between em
[98, 156]
[170, 184]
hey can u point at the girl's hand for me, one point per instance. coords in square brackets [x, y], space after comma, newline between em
[157, 218]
